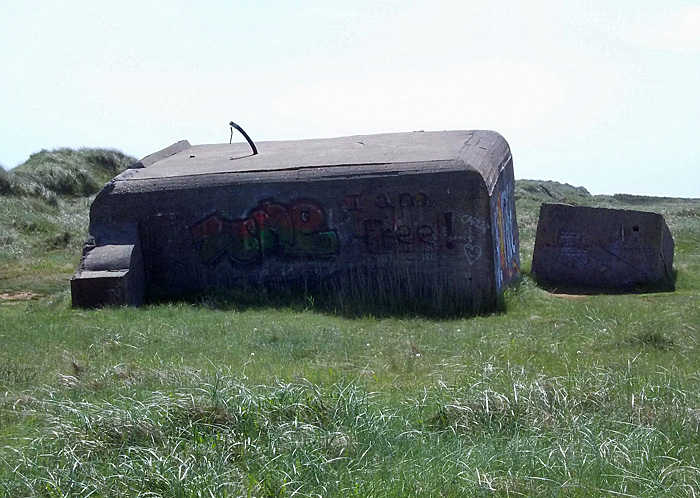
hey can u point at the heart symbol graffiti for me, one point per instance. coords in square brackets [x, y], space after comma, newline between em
[472, 252]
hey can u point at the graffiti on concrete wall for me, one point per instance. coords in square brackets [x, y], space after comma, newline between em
[473, 224]
[396, 223]
[407, 223]
[573, 248]
[298, 229]
[507, 257]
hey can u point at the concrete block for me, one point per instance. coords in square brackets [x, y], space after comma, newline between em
[425, 219]
[599, 248]
[110, 274]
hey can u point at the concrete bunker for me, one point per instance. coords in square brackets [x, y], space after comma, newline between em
[602, 249]
[422, 220]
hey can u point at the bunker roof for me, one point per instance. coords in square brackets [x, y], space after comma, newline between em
[485, 152]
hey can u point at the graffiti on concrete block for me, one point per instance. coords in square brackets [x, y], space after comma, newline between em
[398, 223]
[298, 229]
[507, 266]
[380, 238]
[475, 222]
[407, 223]
[573, 246]
[472, 252]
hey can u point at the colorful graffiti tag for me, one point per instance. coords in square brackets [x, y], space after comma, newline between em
[507, 257]
[298, 229]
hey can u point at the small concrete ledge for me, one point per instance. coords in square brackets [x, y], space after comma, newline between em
[109, 275]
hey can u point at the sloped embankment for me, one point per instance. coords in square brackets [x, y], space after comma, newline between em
[44, 206]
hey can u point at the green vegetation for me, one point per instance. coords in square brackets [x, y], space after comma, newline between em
[67, 172]
[44, 206]
[558, 396]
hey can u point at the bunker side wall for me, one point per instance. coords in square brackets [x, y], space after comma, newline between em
[504, 227]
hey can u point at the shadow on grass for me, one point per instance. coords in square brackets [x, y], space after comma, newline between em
[668, 285]
[649, 338]
[397, 301]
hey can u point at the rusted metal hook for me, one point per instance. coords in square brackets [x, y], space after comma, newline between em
[245, 135]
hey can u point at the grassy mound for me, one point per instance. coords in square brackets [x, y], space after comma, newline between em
[64, 172]
[44, 206]
[548, 191]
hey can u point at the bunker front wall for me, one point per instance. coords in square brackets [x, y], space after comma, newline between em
[422, 239]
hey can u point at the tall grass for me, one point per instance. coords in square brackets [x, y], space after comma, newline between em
[506, 433]
[7, 184]
[554, 396]
[64, 172]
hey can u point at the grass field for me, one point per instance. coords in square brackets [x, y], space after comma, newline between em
[567, 396]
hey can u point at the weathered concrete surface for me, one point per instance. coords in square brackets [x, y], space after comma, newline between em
[422, 218]
[111, 273]
[602, 248]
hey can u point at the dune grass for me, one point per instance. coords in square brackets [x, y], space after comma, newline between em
[66, 172]
[557, 396]
[44, 209]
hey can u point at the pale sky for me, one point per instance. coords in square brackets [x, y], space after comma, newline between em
[600, 94]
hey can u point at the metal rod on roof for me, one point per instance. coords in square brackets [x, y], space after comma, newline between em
[245, 135]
